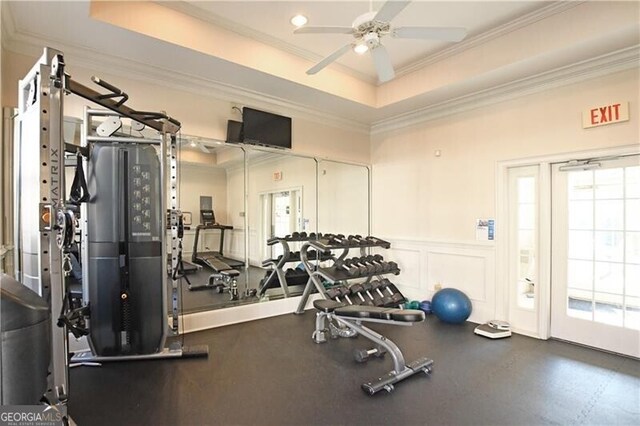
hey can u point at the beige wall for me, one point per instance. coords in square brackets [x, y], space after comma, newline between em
[419, 196]
[196, 181]
[200, 115]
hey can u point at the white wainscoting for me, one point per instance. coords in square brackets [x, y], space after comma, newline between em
[467, 266]
[234, 244]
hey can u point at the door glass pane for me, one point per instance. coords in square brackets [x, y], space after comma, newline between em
[581, 245]
[632, 181]
[633, 247]
[581, 185]
[609, 183]
[609, 245]
[632, 313]
[581, 214]
[632, 280]
[610, 214]
[608, 309]
[580, 275]
[526, 189]
[580, 304]
[525, 228]
[633, 215]
[526, 216]
[609, 278]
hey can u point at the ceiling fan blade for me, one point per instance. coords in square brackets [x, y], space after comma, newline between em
[203, 148]
[390, 9]
[382, 62]
[323, 30]
[431, 33]
[326, 61]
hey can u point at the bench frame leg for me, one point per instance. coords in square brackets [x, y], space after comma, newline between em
[400, 369]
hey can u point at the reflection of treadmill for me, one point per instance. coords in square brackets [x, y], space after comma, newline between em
[213, 259]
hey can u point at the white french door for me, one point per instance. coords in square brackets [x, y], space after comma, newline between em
[595, 282]
[523, 230]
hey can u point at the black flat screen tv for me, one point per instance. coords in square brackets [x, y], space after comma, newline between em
[234, 131]
[264, 128]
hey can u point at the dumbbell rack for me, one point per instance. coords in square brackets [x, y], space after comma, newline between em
[335, 273]
[277, 265]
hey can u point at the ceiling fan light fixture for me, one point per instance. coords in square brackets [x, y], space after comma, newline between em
[193, 144]
[299, 20]
[360, 48]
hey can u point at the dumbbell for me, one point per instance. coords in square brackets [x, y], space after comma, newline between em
[352, 269]
[335, 293]
[363, 355]
[375, 241]
[357, 240]
[294, 255]
[385, 285]
[356, 290]
[376, 267]
[303, 234]
[343, 291]
[365, 267]
[386, 266]
[367, 289]
[396, 296]
[337, 240]
[379, 298]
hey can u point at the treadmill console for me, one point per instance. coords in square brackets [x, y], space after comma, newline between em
[207, 217]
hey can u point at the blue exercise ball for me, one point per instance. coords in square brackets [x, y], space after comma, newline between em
[451, 306]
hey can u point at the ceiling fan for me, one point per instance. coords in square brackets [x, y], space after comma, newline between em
[369, 29]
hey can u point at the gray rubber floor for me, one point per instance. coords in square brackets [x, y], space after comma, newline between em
[269, 372]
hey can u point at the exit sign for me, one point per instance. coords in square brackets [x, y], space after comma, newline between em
[605, 114]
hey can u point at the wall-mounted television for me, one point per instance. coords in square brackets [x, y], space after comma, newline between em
[264, 128]
[234, 131]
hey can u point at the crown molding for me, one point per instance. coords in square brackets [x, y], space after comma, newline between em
[260, 37]
[621, 60]
[31, 44]
[530, 18]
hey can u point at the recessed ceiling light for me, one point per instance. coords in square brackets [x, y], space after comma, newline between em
[299, 20]
[360, 48]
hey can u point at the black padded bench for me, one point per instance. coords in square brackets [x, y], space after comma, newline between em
[223, 280]
[345, 320]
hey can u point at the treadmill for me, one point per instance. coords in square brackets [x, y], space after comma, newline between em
[214, 260]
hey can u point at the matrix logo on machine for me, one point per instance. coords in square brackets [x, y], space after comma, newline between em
[32, 415]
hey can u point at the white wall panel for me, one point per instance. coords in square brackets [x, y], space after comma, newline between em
[467, 266]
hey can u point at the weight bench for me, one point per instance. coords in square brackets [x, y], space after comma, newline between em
[225, 280]
[351, 318]
[221, 281]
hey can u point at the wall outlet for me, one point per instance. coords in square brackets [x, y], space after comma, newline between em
[437, 287]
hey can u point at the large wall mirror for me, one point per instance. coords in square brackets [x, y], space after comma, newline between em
[244, 209]
[259, 196]
[282, 201]
[212, 193]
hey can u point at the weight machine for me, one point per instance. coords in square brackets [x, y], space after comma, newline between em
[130, 183]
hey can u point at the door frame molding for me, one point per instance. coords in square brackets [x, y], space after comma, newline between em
[544, 198]
[261, 232]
